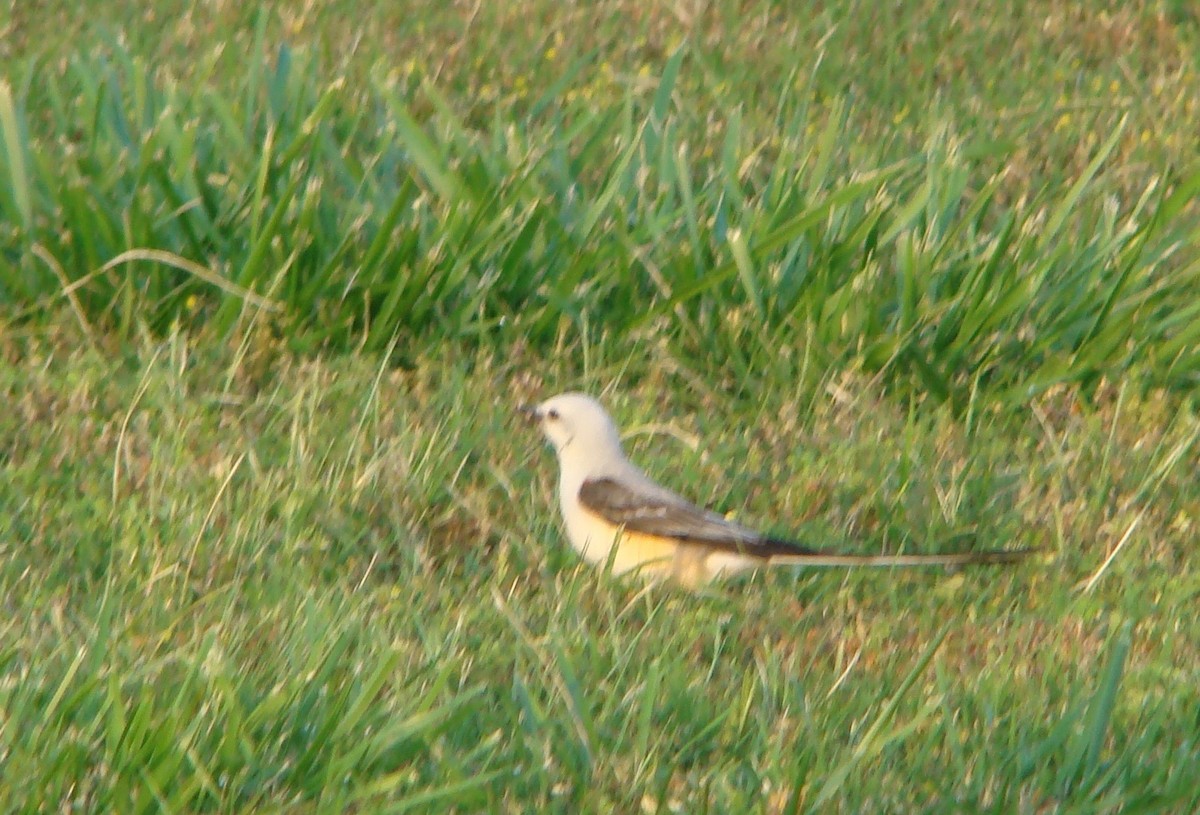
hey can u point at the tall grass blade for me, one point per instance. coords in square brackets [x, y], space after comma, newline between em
[1083, 752]
[427, 160]
[1067, 205]
[874, 739]
[15, 156]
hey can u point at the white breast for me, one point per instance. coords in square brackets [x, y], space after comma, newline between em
[588, 535]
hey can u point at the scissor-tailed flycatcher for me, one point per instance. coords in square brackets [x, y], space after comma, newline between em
[614, 512]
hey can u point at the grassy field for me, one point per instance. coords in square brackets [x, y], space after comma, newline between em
[273, 279]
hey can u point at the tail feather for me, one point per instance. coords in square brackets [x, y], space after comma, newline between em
[772, 548]
[830, 559]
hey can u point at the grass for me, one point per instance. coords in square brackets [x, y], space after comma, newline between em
[272, 281]
[335, 586]
[375, 203]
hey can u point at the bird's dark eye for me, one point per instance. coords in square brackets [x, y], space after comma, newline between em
[552, 414]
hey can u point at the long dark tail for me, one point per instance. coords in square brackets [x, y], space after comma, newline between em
[809, 557]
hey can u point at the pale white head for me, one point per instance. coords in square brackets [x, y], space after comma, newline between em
[575, 424]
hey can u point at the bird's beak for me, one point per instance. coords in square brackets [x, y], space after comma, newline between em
[529, 413]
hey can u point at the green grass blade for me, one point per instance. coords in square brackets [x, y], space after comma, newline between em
[428, 163]
[15, 156]
[1058, 216]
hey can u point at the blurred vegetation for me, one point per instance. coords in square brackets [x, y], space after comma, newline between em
[952, 198]
[909, 277]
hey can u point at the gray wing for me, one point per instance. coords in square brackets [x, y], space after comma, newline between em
[670, 516]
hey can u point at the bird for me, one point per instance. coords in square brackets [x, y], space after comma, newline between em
[616, 515]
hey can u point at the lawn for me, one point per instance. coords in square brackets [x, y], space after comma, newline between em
[273, 280]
